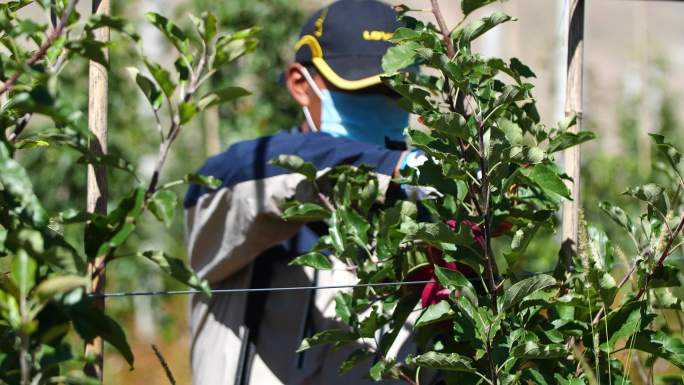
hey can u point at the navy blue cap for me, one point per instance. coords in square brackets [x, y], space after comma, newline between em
[346, 40]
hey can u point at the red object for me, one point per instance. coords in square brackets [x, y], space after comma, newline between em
[433, 291]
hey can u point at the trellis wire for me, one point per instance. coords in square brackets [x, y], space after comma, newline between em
[275, 289]
[525, 274]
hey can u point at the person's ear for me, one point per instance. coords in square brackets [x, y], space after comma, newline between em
[297, 85]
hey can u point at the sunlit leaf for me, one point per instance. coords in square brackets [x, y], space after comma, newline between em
[296, 164]
[163, 206]
[316, 260]
[522, 289]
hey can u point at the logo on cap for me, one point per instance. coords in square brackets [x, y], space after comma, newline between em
[318, 25]
[377, 35]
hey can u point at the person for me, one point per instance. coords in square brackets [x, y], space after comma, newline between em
[236, 238]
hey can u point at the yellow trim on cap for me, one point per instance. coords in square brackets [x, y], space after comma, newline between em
[328, 72]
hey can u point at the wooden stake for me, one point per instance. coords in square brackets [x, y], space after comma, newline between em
[97, 175]
[212, 140]
[573, 105]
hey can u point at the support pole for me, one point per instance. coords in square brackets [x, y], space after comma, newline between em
[97, 175]
[573, 105]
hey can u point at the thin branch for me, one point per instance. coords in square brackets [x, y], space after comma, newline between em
[164, 365]
[19, 128]
[56, 33]
[326, 202]
[642, 290]
[443, 27]
[664, 255]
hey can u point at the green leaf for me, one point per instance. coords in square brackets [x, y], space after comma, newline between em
[163, 206]
[76, 377]
[377, 370]
[653, 194]
[90, 322]
[534, 350]
[477, 28]
[523, 236]
[511, 130]
[443, 361]
[162, 77]
[206, 26]
[19, 191]
[187, 111]
[203, 180]
[674, 157]
[55, 285]
[369, 326]
[182, 66]
[622, 322]
[434, 313]
[400, 56]
[116, 23]
[343, 307]
[231, 47]
[568, 139]
[547, 179]
[419, 97]
[454, 279]
[522, 289]
[664, 276]
[401, 312]
[450, 123]
[170, 30]
[605, 284]
[296, 164]
[148, 88]
[222, 95]
[109, 160]
[329, 336]
[177, 270]
[521, 69]
[661, 345]
[316, 260]
[436, 234]
[354, 359]
[355, 225]
[89, 49]
[103, 236]
[23, 272]
[533, 376]
[305, 212]
[618, 215]
[468, 6]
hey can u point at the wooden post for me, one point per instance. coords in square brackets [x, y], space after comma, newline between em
[573, 105]
[212, 138]
[97, 175]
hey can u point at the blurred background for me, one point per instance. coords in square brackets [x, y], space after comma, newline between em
[634, 52]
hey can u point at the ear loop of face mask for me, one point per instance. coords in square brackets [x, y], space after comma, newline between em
[317, 91]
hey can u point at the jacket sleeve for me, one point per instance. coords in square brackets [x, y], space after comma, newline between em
[228, 227]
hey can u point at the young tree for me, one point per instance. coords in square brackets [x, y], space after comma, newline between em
[43, 292]
[489, 171]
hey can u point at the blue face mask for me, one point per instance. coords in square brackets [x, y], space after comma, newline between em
[370, 118]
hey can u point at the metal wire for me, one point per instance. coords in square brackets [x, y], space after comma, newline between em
[521, 274]
[227, 291]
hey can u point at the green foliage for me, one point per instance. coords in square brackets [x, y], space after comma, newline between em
[45, 288]
[262, 70]
[490, 172]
